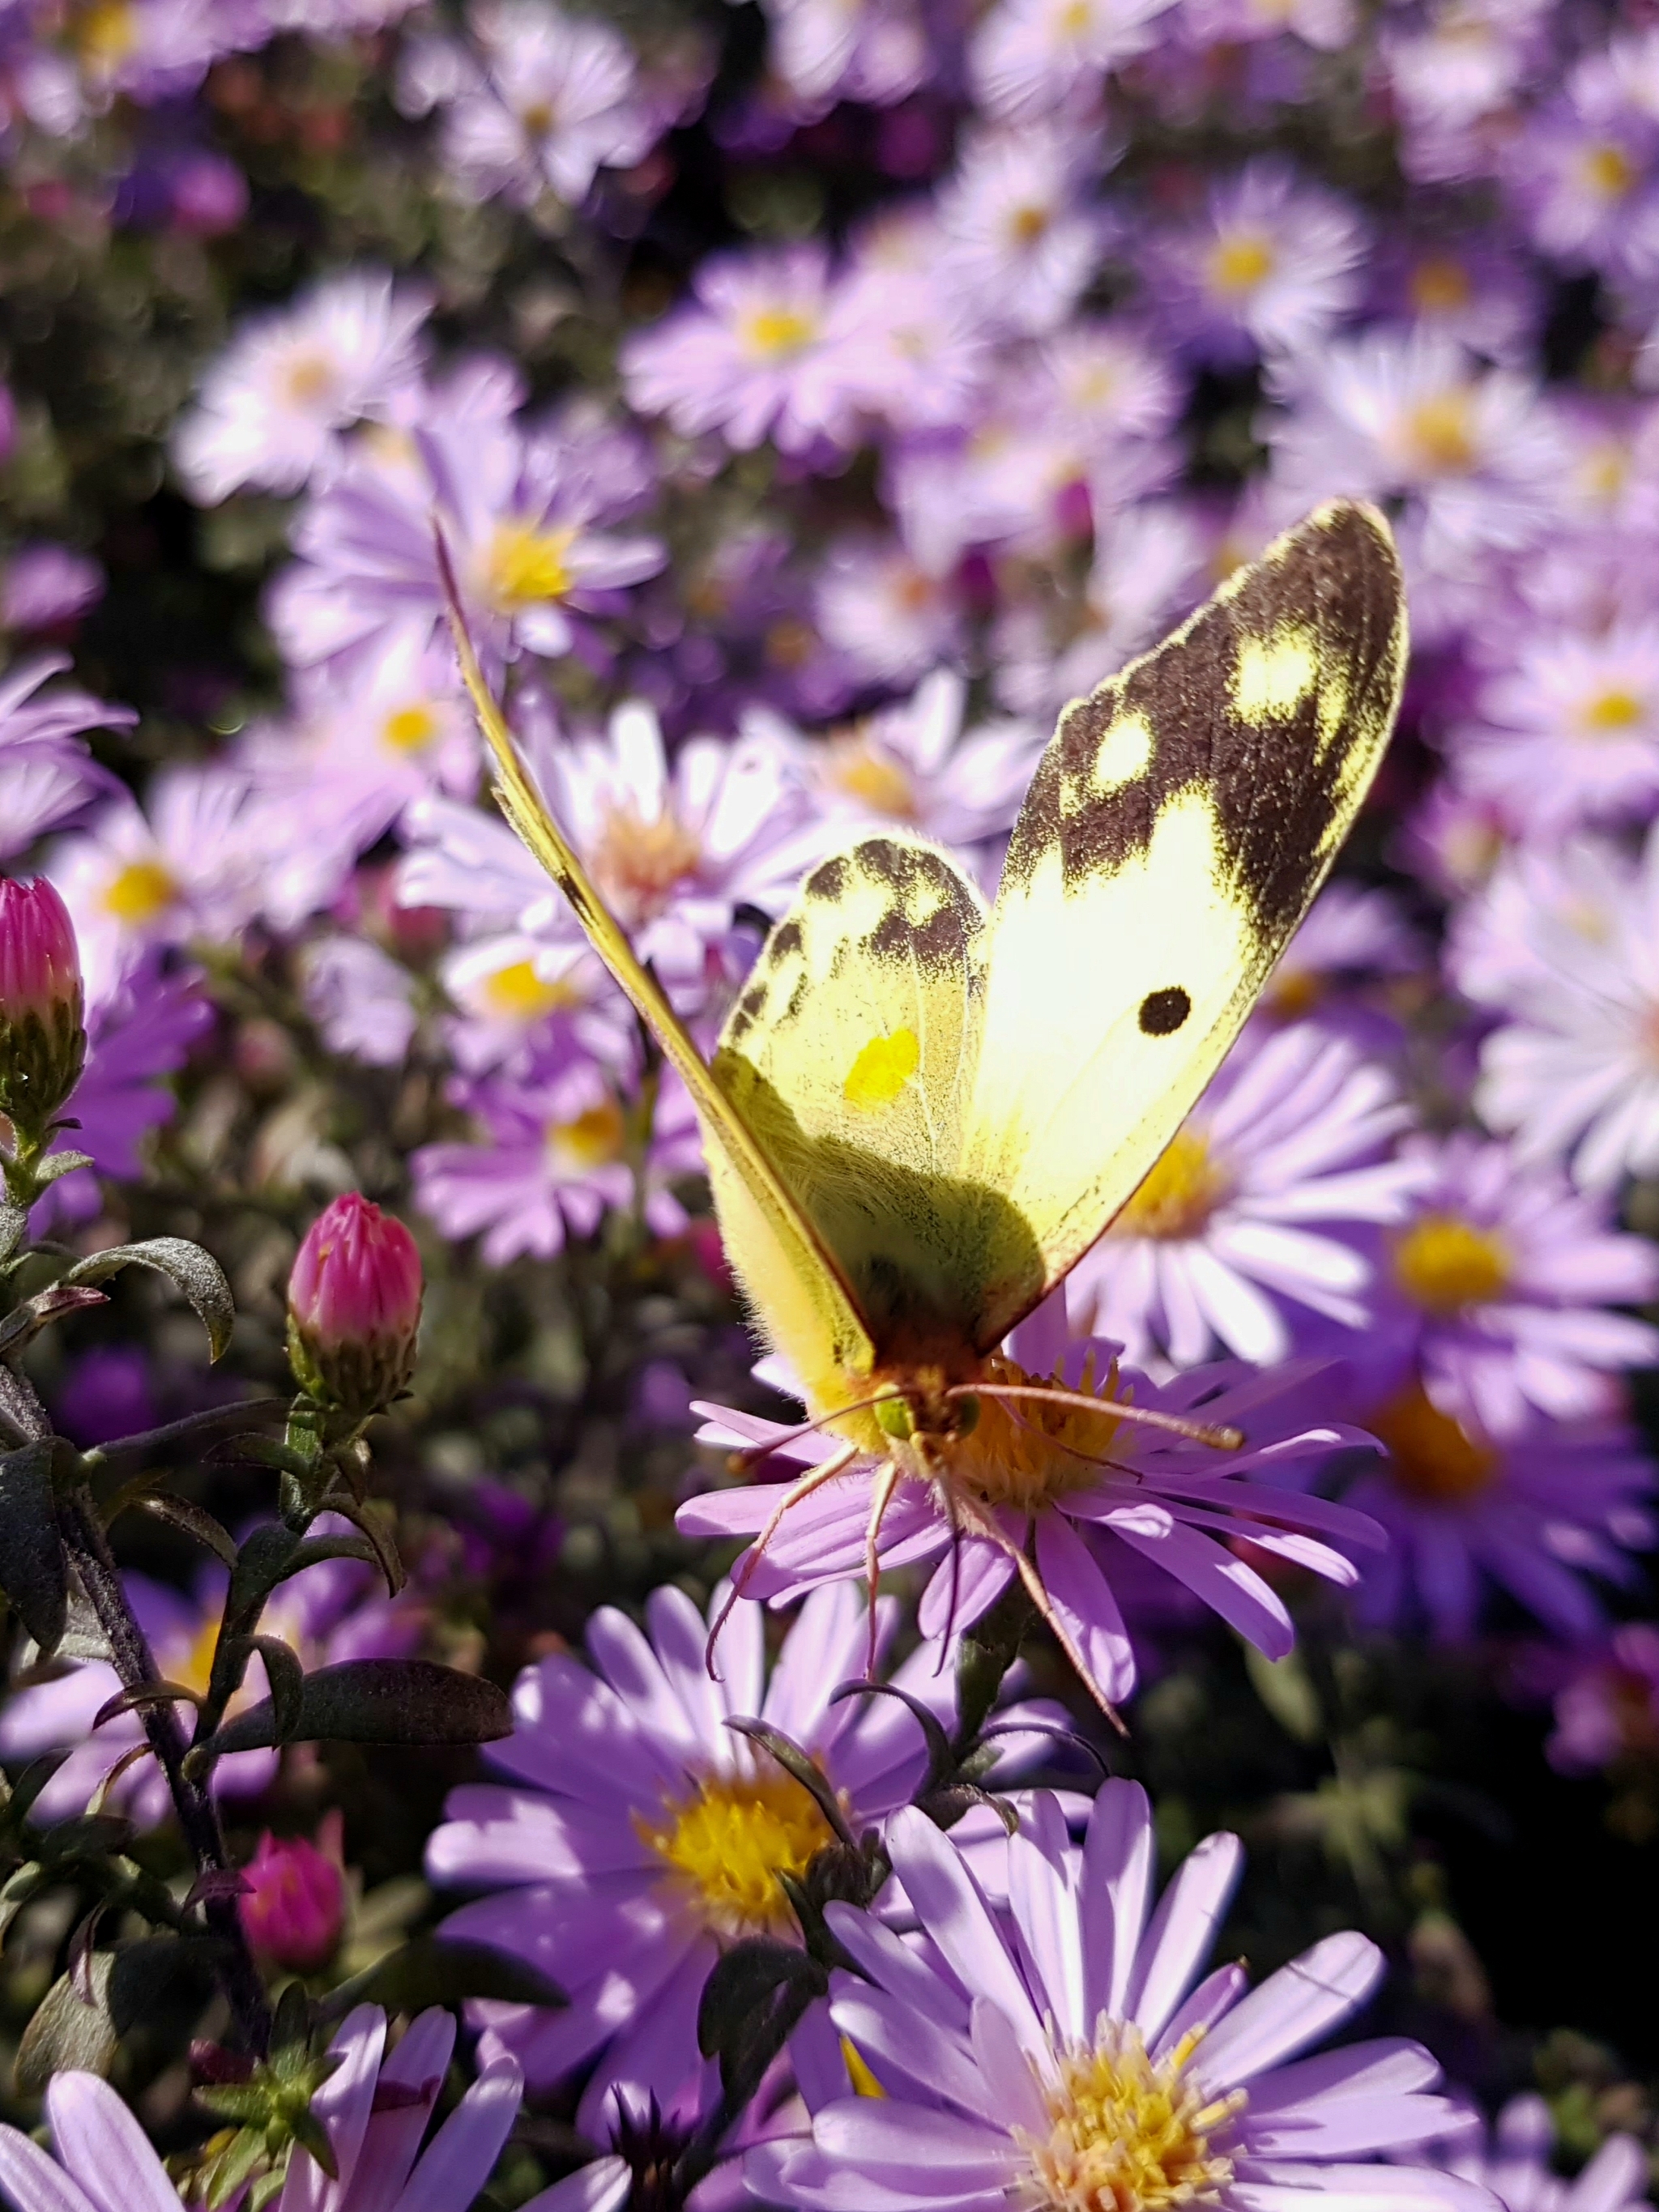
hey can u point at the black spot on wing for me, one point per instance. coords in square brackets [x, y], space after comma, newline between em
[1163, 1012]
[1273, 789]
[828, 881]
[784, 942]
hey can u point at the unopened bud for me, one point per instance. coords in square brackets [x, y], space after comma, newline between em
[294, 1906]
[43, 1039]
[354, 1307]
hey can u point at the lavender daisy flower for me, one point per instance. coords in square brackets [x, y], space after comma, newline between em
[555, 100]
[1070, 2062]
[638, 1836]
[1607, 1713]
[1582, 171]
[1570, 732]
[1501, 936]
[324, 1614]
[562, 1146]
[916, 352]
[1273, 267]
[1327, 24]
[1534, 1513]
[47, 774]
[891, 618]
[1452, 77]
[47, 586]
[873, 51]
[1513, 2161]
[1071, 1489]
[1355, 939]
[272, 406]
[1222, 1242]
[1032, 55]
[1573, 1075]
[1494, 1287]
[1020, 240]
[1478, 292]
[374, 2115]
[361, 998]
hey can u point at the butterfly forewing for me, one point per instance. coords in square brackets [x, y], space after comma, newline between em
[1178, 824]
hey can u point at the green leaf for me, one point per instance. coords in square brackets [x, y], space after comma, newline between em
[265, 1557]
[196, 1273]
[1284, 1687]
[58, 1165]
[796, 1762]
[68, 2033]
[32, 1571]
[429, 1970]
[376, 1701]
[286, 1674]
[752, 2002]
[194, 1521]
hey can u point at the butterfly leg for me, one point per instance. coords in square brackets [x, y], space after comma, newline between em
[881, 1496]
[814, 1479]
[985, 1524]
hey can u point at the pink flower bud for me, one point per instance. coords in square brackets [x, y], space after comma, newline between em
[43, 1042]
[354, 1307]
[294, 1906]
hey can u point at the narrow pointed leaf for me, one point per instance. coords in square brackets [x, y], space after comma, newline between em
[378, 1701]
[191, 1270]
[33, 1570]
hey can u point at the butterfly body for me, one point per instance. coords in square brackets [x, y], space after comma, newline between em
[922, 1111]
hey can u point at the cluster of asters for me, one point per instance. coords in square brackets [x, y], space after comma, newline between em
[822, 548]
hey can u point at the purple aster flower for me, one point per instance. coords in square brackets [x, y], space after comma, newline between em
[271, 408]
[1020, 240]
[324, 1614]
[1500, 940]
[1574, 1072]
[1570, 732]
[890, 616]
[1607, 1712]
[1354, 940]
[758, 355]
[1477, 291]
[1328, 24]
[1582, 171]
[1452, 76]
[374, 2115]
[1071, 2061]
[873, 51]
[638, 1836]
[140, 1025]
[1074, 1489]
[1272, 267]
[1513, 2161]
[913, 349]
[1029, 56]
[1534, 1513]
[523, 516]
[562, 1144]
[47, 774]
[44, 587]
[539, 101]
[361, 998]
[1222, 1242]
[1493, 1287]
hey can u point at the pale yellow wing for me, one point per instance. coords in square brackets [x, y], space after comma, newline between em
[794, 1284]
[1178, 824]
[845, 1055]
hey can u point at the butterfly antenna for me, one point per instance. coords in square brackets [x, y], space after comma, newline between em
[986, 1525]
[739, 1463]
[881, 1496]
[1114, 1409]
[814, 1479]
[1074, 1451]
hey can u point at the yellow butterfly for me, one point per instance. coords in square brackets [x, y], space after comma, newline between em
[921, 1112]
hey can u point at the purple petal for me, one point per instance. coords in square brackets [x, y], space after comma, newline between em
[1290, 2009]
[952, 1907]
[102, 2146]
[342, 2105]
[1117, 1875]
[1183, 1928]
[463, 2153]
[35, 2183]
[1040, 1872]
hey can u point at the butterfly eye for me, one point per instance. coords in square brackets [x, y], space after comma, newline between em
[1162, 1012]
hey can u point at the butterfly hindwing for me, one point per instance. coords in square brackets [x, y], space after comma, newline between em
[1177, 827]
[846, 1055]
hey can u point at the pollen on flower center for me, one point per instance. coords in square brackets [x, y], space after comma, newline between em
[639, 865]
[140, 892]
[593, 1138]
[1609, 170]
[1025, 1453]
[727, 1843]
[518, 993]
[1029, 223]
[525, 567]
[1615, 709]
[1432, 1457]
[775, 333]
[1239, 264]
[1443, 1262]
[106, 32]
[1128, 2133]
[410, 729]
[1438, 285]
[1182, 1189]
[863, 774]
[308, 380]
[1439, 434]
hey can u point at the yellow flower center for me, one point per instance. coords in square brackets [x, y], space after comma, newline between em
[1127, 2133]
[1439, 285]
[789, 643]
[410, 729]
[1293, 993]
[1073, 19]
[726, 1844]
[525, 567]
[141, 892]
[106, 32]
[1431, 1456]
[1182, 1190]
[308, 380]
[1443, 1263]
[1239, 264]
[775, 333]
[871, 778]
[1022, 1452]
[639, 865]
[1613, 710]
[1439, 434]
[1028, 224]
[1609, 170]
[517, 994]
[590, 1139]
[537, 117]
